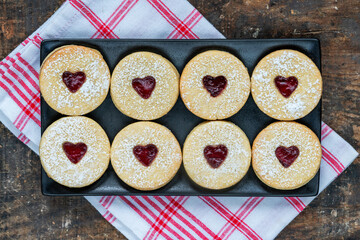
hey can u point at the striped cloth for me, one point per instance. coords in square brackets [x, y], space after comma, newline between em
[152, 217]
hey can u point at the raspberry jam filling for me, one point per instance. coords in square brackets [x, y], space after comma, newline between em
[287, 155]
[215, 155]
[145, 154]
[73, 81]
[74, 152]
[144, 86]
[286, 86]
[214, 86]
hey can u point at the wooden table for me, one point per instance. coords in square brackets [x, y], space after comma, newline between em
[26, 214]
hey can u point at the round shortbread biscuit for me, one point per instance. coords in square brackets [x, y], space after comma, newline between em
[140, 65]
[218, 104]
[74, 130]
[215, 134]
[267, 165]
[74, 59]
[286, 63]
[128, 167]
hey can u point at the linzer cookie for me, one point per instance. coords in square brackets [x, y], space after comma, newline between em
[74, 80]
[216, 154]
[214, 85]
[75, 151]
[286, 85]
[144, 86]
[145, 155]
[286, 155]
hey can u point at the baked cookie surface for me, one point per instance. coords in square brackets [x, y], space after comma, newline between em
[75, 151]
[216, 154]
[286, 155]
[145, 155]
[286, 85]
[214, 85]
[144, 86]
[74, 80]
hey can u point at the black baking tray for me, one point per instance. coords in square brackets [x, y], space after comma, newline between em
[179, 120]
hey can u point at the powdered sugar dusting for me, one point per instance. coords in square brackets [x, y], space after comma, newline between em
[236, 163]
[164, 166]
[286, 134]
[140, 65]
[215, 63]
[74, 130]
[286, 63]
[74, 59]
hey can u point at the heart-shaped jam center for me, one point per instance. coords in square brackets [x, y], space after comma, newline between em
[214, 86]
[287, 155]
[286, 86]
[215, 155]
[144, 86]
[73, 81]
[145, 154]
[74, 152]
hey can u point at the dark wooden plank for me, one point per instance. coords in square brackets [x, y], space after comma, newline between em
[335, 213]
[26, 214]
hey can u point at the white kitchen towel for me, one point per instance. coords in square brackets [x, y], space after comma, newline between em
[151, 217]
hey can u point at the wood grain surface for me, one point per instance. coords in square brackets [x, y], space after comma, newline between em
[334, 214]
